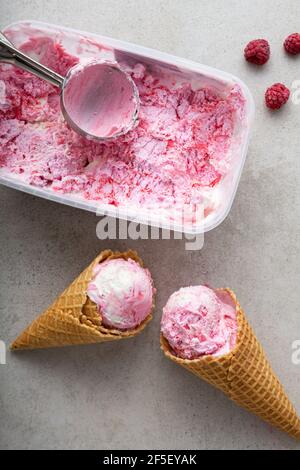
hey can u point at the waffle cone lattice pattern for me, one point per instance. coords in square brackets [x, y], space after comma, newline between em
[246, 376]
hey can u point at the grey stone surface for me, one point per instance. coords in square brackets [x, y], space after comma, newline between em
[127, 395]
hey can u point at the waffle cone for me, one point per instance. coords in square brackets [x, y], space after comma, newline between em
[245, 376]
[73, 318]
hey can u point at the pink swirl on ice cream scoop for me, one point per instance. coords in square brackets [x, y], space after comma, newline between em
[123, 292]
[198, 321]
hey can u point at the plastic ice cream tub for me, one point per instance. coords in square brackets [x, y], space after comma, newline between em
[216, 199]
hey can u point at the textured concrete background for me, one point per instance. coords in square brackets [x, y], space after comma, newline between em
[128, 395]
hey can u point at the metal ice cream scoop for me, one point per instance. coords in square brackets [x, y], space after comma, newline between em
[98, 99]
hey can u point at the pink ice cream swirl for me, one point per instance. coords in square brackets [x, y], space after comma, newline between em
[123, 292]
[197, 321]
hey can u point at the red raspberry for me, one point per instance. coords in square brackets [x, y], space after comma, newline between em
[292, 44]
[276, 96]
[257, 51]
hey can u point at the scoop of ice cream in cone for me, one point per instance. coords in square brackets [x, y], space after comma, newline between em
[206, 332]
[123, 293]
[111, 299]
[197, 322]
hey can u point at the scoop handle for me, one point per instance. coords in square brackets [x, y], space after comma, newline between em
[11, 55]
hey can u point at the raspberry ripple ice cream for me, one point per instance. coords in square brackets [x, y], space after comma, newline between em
[123, 292]
[180, 151]
[196, 322]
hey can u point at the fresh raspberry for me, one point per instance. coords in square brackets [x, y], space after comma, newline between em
[276, 96]
[292, 44]
[257, 51]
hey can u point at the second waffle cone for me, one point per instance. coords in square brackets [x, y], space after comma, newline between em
[245, 375]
